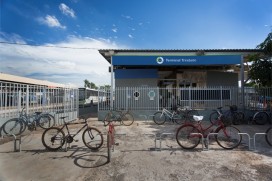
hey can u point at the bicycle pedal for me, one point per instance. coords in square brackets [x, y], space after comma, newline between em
[76, 140]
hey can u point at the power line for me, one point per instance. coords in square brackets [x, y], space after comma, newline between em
[48, 46]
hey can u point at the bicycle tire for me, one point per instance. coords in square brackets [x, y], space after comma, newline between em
[53, 120]
[45, 121]
[127, 119]
[184, 136]
[109, 147]
[92, 138]
[13, 126]
[227, 137]
[213, 117]
[159, 118]
[107, 119]
[191, 113]
[50, 136]
[260, 118]
[178, 119]
[268, 136]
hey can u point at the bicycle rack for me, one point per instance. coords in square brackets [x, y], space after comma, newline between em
[208, 140]
[155, 136]
[254, 138]
[249, 140]
[202, 138]
[161, 138]
[15, 143]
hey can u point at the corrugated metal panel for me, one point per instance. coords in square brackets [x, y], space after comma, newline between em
[18, 79]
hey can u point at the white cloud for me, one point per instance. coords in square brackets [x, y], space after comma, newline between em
[66, 10]
[127, 17]
[114, 30]
[51, 21]
[60, 65]
[130, 36]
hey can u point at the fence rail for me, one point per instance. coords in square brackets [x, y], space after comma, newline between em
[36, 98]
[155, 98]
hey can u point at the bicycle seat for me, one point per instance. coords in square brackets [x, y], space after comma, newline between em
[220, 108]
[198, 118]
[38, 113]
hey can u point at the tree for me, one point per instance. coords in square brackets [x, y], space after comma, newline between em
[260, 71]
[105, 87]
[87, 83]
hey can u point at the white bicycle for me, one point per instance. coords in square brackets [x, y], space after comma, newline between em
[180, 115]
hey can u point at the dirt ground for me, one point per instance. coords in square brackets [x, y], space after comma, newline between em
[137, 159]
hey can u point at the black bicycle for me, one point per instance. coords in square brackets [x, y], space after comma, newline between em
[18, 125]
[54, 138]
[232, 115]
[263, 117]
[268, 136]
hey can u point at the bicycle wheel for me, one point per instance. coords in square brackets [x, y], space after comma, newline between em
[191, 113]
[261, 118]
[188, 136]
[53, 138]
[45, 121]
[228, 137]
[109, 146]
[238, 118]
[213, 117]
[268, 136]
[127, 119]
[92, 138]
[179, 119]
[159, 118]
[13, 126]
[107, 119]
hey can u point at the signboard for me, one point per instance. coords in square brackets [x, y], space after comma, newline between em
[177, 60]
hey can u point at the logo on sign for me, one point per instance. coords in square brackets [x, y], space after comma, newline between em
[160, 60]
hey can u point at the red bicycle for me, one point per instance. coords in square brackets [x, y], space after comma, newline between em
[110, 137]
[189, 135]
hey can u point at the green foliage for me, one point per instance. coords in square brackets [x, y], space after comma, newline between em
[89, 84]
[93, 86]
[260, 71]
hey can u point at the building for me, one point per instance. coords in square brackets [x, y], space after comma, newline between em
[174, 72]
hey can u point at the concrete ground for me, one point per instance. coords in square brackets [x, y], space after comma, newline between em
[136, 158]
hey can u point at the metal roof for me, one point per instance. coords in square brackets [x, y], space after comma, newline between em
[107, 53]
[25, 80]
[181, 50]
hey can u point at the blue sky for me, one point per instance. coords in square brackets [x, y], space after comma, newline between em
[135, 24]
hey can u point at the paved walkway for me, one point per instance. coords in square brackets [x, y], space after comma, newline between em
[79, 163]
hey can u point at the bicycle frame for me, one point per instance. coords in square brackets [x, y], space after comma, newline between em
[203, 130]
[68, 131]
[168, 113]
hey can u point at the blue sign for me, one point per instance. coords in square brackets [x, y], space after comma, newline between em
[177, 60]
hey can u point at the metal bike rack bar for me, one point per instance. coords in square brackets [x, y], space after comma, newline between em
[208, 140]
[15, 143]
[202, 138]
[155, 136]
[146, 118]
[254, 139]
[163, 135]
[249, 140]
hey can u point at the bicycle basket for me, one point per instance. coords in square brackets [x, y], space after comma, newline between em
[233, 108]
[226, 120]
